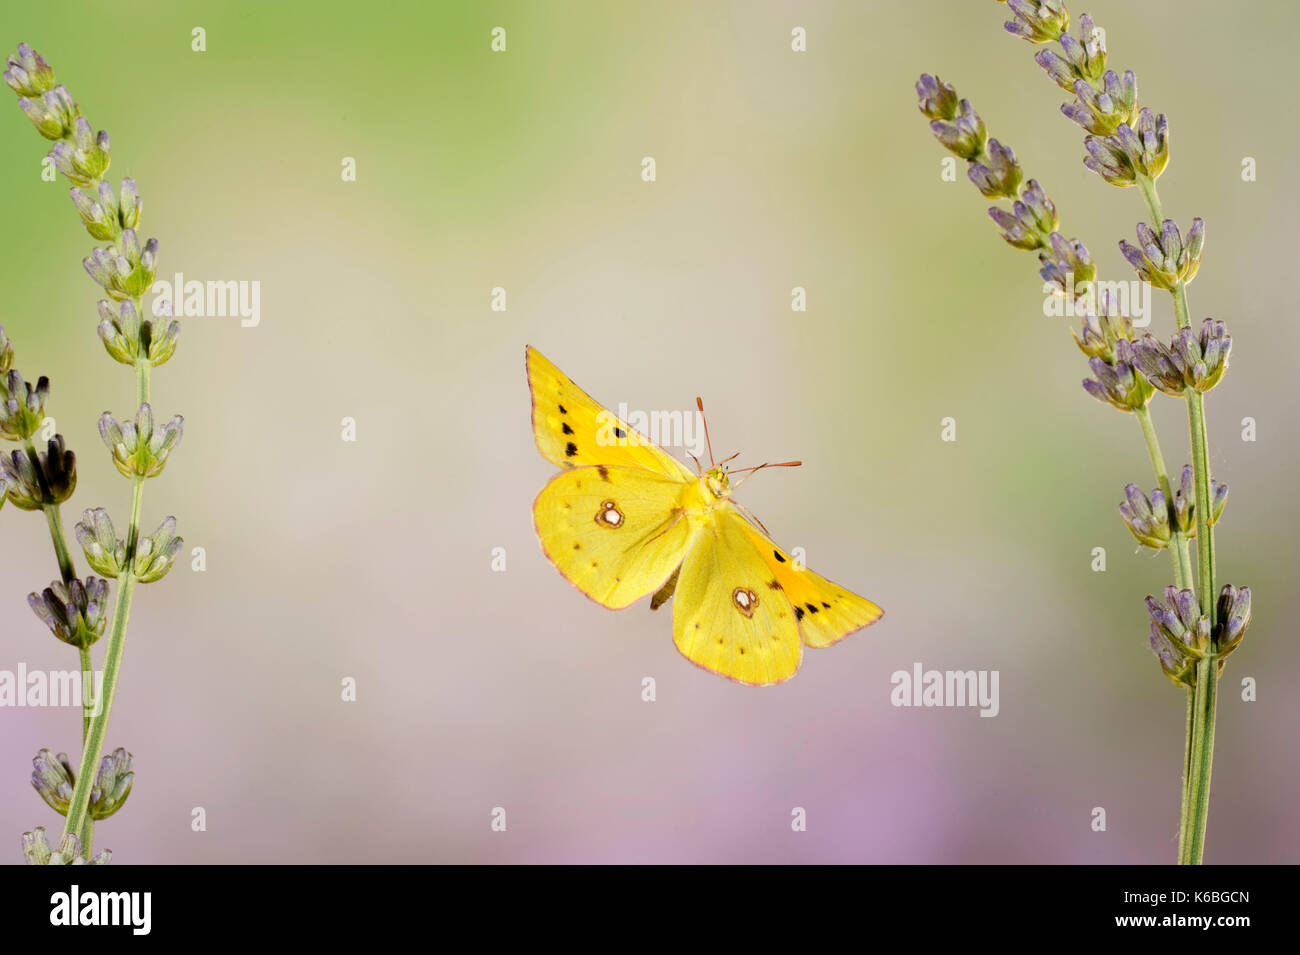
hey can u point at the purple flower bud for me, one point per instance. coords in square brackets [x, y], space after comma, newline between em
[1000, 179]
[1147, 519]
[1234, 617]
[937, 99]
[965, 135]
[1060, 70]
[1038, 21]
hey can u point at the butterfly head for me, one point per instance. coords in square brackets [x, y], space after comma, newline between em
[718, 481]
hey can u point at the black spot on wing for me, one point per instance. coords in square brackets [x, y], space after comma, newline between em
[825, 605]
[565, 428]
[774, 585]
[604, 472]
[563, 410]
[570, 449]
[812, 608]
[619, 433]
[798, 613]
[777, 555]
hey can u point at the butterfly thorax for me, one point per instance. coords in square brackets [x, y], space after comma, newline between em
[703, 497]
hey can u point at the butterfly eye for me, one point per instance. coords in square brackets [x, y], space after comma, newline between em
[609, 515]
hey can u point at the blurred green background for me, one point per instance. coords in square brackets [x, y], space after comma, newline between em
[775, 169]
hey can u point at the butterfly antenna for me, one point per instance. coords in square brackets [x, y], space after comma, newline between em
[699, 403]
[765, 464]
[752, 516]
[754, 470]
[698, 469]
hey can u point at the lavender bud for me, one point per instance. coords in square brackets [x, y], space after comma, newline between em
[1184, 507]
[1000, 179]
[1157, 363]
[22, 405]
[34, 483]
[1100, 333]
[53, 113]
[1122, 157]
[105, 553]
[53, 780]
[1218, 498]
[1164, 260]
[1148, 519]
[6, 354]
[937, 99]
[1171, 661]
[76, 613]
[1234, 617]
[1087, 54]
[156, 553]
[1107, 159]
[1203, 358]
[1030, 222]
[139, 448]
[1179, 619]
[1118, 383]
[128, 273]
[113, 784]
[1068, 266]
[1058, 68]
[1100, 112]
[27, 73]
[37, 850]
[103, 215]
[965, 135]
[85, 162]
[1180, 634]
[127, 339]
[1038, 22]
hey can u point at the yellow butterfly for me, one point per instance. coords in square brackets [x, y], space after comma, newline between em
[625, 519]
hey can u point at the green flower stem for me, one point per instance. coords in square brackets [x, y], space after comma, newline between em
[1185, 814]
[1177, 539]
[1183, 580]
[52, 517]
[1207, 670]
[141, 372]
[55, 520]
[78, 814]
[87, 834]
[1197, 808]
[1199, 750]
[1152, 197]
[86, 667]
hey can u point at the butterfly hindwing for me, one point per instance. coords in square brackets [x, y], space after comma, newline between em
[573, 430]
[617, 533]
[728, 616]
[827, 612]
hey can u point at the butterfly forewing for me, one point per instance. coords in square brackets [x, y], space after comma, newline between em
[573, 430]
